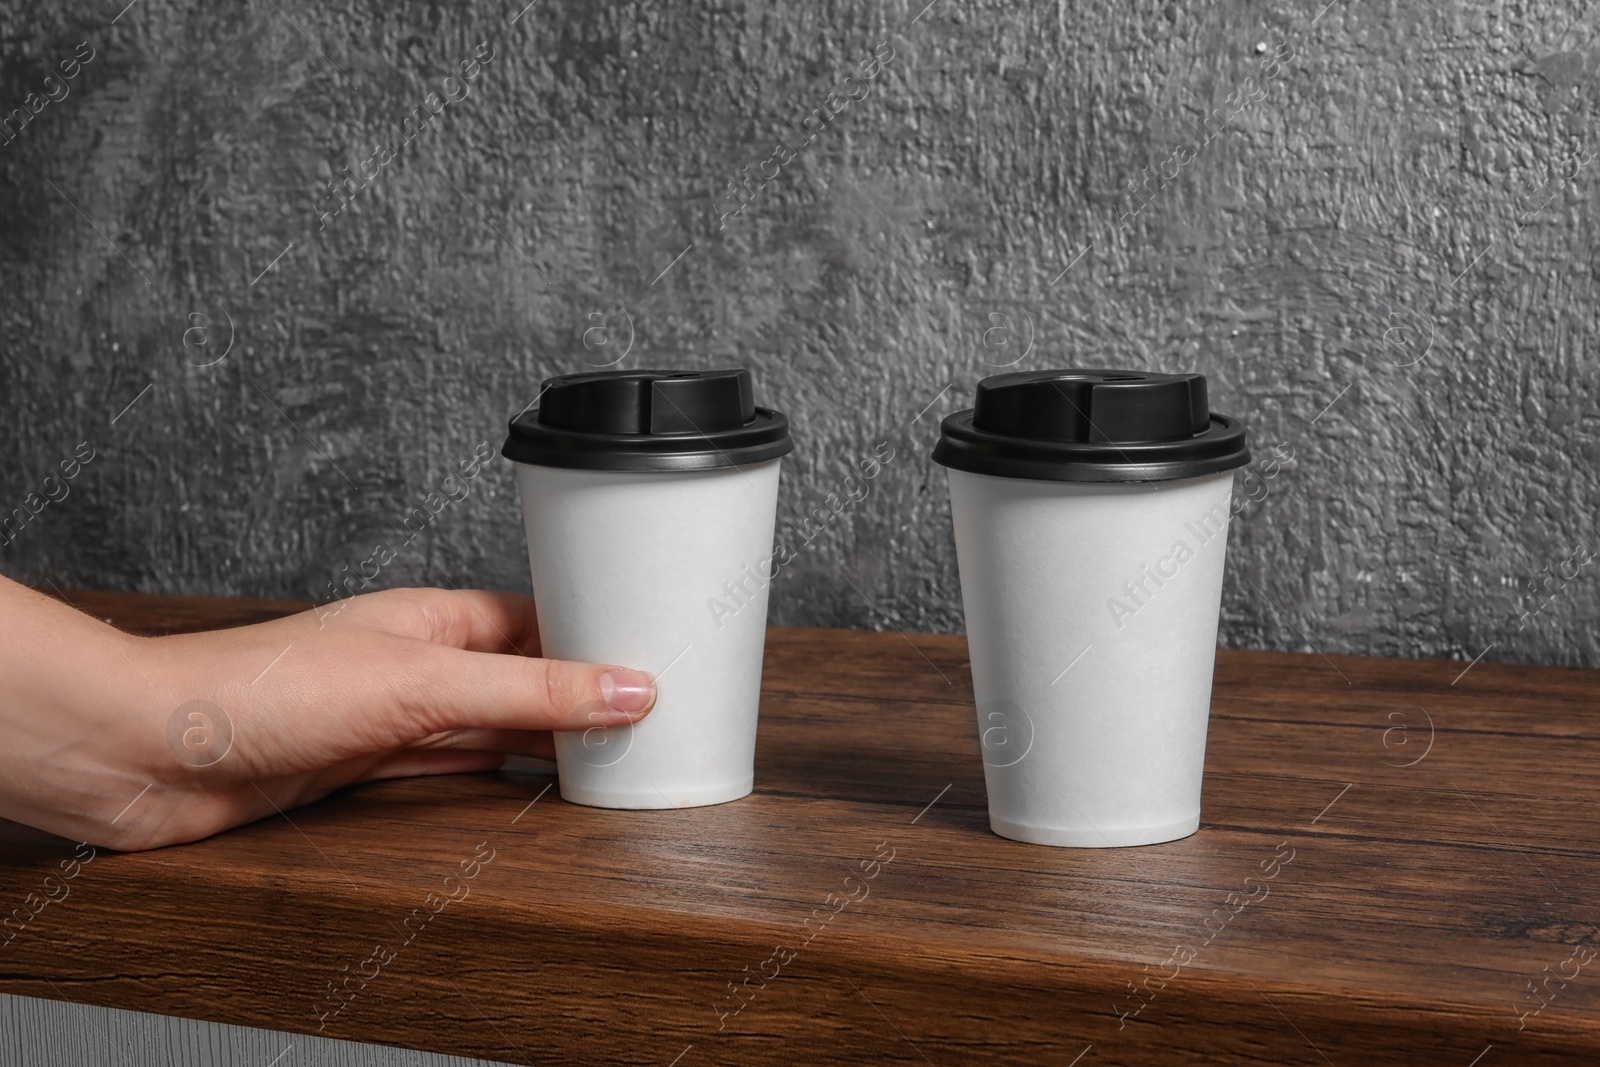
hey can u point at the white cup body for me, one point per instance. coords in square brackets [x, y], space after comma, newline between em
[1091, 616]
[665, 572]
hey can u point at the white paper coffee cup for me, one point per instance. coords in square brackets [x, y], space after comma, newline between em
[1091, 535]
[662, 567]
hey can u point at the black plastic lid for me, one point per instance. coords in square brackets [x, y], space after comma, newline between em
[648, 420]
[1092, 426]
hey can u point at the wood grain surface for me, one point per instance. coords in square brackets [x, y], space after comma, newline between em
[1389, 857]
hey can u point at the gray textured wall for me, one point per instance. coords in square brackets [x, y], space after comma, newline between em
[1381, 256]
[51, 1033]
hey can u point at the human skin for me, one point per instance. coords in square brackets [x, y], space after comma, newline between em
[94, 746]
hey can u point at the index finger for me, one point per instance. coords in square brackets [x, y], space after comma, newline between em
[473, 620]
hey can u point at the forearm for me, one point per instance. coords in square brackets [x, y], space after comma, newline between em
[71, 755]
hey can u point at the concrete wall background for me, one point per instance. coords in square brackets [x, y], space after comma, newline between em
[1385, 261]
[53, 1033]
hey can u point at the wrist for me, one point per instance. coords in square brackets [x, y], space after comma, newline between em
[75, 754]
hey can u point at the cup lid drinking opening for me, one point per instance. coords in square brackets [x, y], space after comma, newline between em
[648, 420]
[1092, 426]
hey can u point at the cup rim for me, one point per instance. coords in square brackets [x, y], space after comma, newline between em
[1221, 446]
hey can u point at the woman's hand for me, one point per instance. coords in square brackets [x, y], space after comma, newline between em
[137, 742]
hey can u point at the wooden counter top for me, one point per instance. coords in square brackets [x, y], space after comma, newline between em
[1407, 885]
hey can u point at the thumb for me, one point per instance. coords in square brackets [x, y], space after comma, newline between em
[453, 689]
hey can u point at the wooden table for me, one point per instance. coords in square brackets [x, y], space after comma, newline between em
[1396, 887]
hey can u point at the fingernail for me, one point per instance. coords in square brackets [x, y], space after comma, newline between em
[630, 692]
